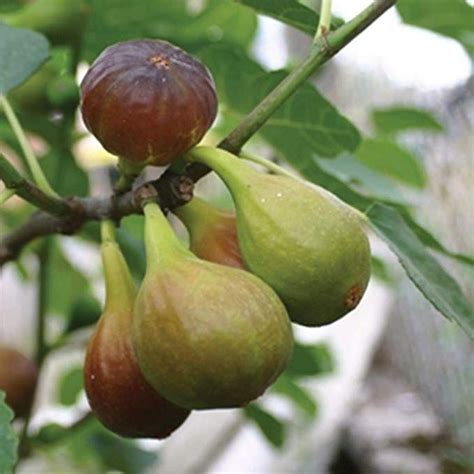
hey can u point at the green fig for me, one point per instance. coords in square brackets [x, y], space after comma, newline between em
[118, 394]
[31, 95]
[205, 335]
[309, 246]
[18, 376]
[212, 232]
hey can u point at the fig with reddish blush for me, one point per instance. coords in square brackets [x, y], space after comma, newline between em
[309, 246]
[206, 335]
[118, 394]
[148, 101]
[18, 376]
[212, 232]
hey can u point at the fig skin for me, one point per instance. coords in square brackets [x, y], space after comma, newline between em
[304, 242]
[148, 101]
[18, 377]
[118, 394]
[212, 232]
[206, 336]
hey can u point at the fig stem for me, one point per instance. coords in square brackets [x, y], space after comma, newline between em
[38, 175]
[277, 169]
[120, 289]
[324, 19]
[107, 231]
[161, 243]
[128, 174]
[221, 161]
[194, 212]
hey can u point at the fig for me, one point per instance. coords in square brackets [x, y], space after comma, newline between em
[18, 377]
[61, 21]
[148, 101]
[309, 246]
[118, 394]
[205, 335]
[212, 232]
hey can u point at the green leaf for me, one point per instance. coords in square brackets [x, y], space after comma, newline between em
[310, 360]
[291, 12]
[398, 119]
[425, 272]
[51, 433]
[381, 270]
[121, 455]
[66, 284]
[430, 241]
[393, 161]
[70, 386]
[314, 172]
[85, 312]
[95, 449]
[21, 53]
[67, 178]
[305, 125]
[367, 181]
[8, 438]
[297, 394]
[453, 18]
[272, 428]
[220, 20]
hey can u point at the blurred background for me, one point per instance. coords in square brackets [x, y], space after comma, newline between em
[387, 389]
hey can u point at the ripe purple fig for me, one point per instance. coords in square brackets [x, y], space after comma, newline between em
[212, 232]
[148, 101]
[205, 335]
[118, 393]
[18, 376]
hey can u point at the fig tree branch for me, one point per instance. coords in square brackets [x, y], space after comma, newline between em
[30, 192]
[172, 190]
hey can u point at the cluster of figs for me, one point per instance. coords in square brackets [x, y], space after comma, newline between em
[210, 325]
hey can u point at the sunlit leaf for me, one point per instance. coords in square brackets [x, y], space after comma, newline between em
[398, 119]
[291, 12]
[70, 385]
[391, 160]
[453, 18]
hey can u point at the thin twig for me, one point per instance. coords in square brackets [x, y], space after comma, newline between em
[30, 157]
[324, 19]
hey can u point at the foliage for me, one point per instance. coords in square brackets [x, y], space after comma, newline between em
[8, 438]
[377, 175]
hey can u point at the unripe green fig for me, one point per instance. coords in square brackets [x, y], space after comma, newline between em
[61, 21]
[63, 92]
[18, 376]
[304, 242]
[212, 232]
[205, 335]
[118, 394]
